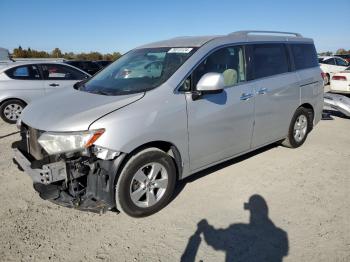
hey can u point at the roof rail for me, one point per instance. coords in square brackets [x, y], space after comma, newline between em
[247, 32]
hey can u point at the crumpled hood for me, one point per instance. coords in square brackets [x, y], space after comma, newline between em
[72, 110]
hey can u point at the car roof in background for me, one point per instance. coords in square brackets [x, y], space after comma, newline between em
[328, 57]
[78, 61]
[7, 65]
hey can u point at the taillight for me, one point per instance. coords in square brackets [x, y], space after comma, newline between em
[340, 78]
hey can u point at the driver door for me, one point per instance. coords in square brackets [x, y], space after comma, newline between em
[220, 125]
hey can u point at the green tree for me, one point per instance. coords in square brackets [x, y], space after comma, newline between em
[328, 53]
[116, 56]
[56, 53]
[341, 51]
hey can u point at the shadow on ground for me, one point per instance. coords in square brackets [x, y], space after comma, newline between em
[182, 183]
[259, 240]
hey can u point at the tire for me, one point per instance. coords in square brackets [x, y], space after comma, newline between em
[293, 140]
[10, 110]
[327, 80]
[139, 195]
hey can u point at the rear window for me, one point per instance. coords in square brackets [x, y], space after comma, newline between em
[269, 59]
[340, 62]
[27, 72]
[304, 55]
[330, 61]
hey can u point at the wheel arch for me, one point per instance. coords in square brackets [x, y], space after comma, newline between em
[165, 146]
[311, 110]
[12, 98]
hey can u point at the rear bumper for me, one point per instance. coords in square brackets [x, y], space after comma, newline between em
[48, 174]
[340, 86]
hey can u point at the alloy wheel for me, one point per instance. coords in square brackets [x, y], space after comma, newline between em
[148, 185]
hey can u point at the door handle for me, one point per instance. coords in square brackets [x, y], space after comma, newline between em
[246, 96]
[53, 84]
[262, 91]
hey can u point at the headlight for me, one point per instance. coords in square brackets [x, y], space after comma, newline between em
[57, 142]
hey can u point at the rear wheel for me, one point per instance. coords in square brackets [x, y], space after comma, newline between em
[299, 128]
[146, 183]
[11, 110]
[327, 79]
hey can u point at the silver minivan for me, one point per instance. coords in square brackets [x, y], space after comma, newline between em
[166, 110]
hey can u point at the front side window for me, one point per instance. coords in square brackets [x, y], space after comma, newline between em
[228, 61]
[138, 71]
[61, 72]
[304, 55]
[269, 59]
[27, 72]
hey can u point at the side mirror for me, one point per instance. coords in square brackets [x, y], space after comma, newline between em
[210, 83]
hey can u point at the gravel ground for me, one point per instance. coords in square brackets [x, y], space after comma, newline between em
[306, 192]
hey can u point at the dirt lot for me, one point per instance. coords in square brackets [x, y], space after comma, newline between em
[306, 191]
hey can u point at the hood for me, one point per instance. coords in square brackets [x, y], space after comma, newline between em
[72, 110]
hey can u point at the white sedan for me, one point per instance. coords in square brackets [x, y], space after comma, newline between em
[331, 65]
[22, 82]
[341, 82]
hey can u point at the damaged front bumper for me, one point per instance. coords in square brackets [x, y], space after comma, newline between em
[48, 174]
[84, 182]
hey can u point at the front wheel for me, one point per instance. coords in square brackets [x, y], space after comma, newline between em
[299, 128]
[146, 183]
[11, 110]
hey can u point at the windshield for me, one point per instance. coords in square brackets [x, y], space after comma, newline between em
[138, 70]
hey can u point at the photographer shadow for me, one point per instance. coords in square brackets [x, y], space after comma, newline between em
[260, 240]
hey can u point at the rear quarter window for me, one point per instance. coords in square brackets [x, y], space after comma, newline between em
[304, 55]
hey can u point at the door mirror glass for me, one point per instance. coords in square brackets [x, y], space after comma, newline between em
[211, 83]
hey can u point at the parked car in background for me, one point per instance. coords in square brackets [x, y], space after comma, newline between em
[341, 82]
[116, 142]
[4, 55]
[22, 82]
[103, 63]
[345, 57]
[330, 65]
[139, 69]
[89, 67]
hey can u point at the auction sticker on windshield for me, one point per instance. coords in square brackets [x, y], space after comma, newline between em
[183, 50]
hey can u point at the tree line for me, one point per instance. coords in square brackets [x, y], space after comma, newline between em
[340, 51]
[57, 53]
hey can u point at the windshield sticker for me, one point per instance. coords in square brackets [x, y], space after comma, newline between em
[182, 50]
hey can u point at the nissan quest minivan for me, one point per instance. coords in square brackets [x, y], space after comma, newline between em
[166, 110]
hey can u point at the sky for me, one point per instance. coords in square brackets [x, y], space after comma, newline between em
[118, 26]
